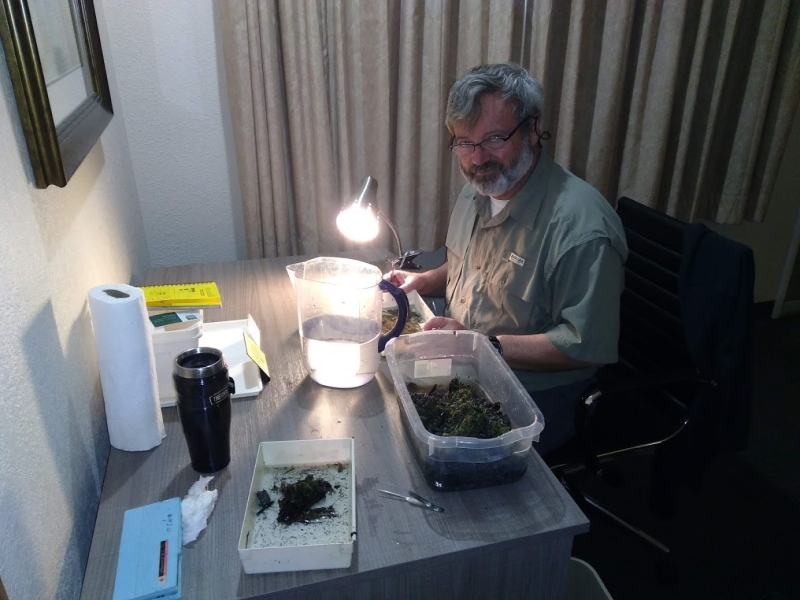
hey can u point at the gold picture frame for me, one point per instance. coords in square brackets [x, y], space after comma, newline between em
[56, 144]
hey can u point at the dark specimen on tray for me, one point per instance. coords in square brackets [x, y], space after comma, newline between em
[460, 411]
[298, 498]
[315, 515]
[264, 501]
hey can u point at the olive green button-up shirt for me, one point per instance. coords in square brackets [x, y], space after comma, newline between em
[552, 262]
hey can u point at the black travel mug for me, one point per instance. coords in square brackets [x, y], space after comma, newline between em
[204, 389]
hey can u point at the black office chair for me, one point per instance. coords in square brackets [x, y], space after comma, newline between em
[683, 382]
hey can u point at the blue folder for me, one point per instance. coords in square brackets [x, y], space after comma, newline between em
[149, 565]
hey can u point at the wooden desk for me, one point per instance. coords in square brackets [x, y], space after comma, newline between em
[502, 542]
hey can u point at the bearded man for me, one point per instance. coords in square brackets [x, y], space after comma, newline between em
[535, 255]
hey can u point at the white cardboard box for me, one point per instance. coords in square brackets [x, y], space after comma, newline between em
[169, 342]
[228, 337]
[303, 556]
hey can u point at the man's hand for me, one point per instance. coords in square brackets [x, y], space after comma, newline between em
[427, 283]
[405, 280]
[444, 323]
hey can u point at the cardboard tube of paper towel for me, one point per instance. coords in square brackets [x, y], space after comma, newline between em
[127, 366]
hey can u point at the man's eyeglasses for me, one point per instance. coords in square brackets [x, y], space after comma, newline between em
[492, 143]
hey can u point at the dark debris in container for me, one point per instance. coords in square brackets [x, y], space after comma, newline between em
[299, 497]
[264, 501]
[461, 410]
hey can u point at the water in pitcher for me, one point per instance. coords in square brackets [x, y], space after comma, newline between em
[341, 351]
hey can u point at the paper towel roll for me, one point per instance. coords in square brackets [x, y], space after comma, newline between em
[127, 366]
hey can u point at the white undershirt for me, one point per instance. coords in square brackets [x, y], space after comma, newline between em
[497, 205]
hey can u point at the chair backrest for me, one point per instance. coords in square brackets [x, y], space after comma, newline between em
[638, 408]
[655, 378]
[652, 338]
[688, 293]
[652, 343]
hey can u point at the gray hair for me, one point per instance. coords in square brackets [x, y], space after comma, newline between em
[510, 80]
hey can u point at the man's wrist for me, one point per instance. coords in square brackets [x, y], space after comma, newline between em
[432, 283]
[424, 283]
[496, 343]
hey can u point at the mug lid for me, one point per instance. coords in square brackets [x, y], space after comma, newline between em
[198, 363]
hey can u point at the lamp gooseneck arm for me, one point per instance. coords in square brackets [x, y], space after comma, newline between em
[394, 232]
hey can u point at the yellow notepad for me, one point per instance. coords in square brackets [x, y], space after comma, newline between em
[203, 294]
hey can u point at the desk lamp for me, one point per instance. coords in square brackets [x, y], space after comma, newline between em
[358, 221]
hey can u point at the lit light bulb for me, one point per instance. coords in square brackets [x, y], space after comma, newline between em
[358, 223]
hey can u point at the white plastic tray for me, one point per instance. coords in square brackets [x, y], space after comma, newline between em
[301, 550]
[228, 336]
[415, 302]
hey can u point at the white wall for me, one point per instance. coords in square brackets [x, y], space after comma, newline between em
[175, 109]
[56, 244]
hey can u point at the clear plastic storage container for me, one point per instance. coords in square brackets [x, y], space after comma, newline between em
[460, 463]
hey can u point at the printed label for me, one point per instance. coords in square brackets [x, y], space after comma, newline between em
[170, 318]
[256, 354]
[220, 396]
[165, 319]
[516, 259]
[162, 561]
[437, 367]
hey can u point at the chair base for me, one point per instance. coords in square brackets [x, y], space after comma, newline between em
[665, 570]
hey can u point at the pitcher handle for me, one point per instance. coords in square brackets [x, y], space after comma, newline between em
[402, 310]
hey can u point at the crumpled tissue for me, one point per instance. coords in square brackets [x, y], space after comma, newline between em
[196, 507]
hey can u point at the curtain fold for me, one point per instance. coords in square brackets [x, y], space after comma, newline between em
[685, 106]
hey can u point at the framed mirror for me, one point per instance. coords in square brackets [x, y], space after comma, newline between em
[56, 65]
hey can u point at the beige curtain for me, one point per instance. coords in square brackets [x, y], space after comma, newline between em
[682, 105]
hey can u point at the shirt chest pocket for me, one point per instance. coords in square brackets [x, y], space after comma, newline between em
[457, 245]
[516, 286]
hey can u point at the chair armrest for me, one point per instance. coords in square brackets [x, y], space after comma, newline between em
[589, 398]
[638, 382]
[583, 414]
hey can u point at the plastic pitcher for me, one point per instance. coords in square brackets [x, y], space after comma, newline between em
[339, 313]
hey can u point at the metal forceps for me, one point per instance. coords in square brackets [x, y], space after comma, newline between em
[409, 496]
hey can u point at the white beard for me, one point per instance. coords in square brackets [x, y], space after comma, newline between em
[504, 179]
